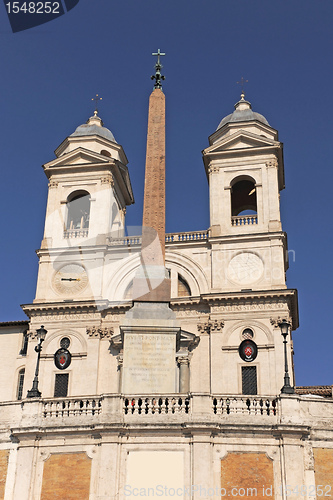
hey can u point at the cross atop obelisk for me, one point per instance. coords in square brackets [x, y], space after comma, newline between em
[155, 282]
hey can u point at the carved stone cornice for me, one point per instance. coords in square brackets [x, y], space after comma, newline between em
[60, 311]
[99, 332]
[281, 302]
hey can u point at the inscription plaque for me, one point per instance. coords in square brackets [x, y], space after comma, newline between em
[149, 363]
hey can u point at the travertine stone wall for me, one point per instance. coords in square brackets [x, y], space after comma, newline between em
[66, 475]
[323, 461]
[4, 454]
[247, 470]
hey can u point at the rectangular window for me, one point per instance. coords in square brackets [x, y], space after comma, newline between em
[61, 385]
[20, 383]
[24, 346]
[249, 380]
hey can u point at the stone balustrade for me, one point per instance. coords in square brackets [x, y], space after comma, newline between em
[71, 407]
[118, 409]
[156, 405]
[189, 236]
[246, 405]
[169, 238]
[125, 241]
[244, 220]
[76, 233]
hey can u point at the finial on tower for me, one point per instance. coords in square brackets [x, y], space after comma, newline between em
[242, 82]
[96, 99]
[158, 66]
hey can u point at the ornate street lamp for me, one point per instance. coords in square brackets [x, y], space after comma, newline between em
[286, 389]
[34, 392]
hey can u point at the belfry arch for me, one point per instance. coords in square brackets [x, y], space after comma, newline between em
[243, 196]
[78, 210]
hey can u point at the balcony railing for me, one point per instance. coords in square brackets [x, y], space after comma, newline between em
[76, 233]
[72, 407]
[169, 238]
[156, 405]
[189, 236]
[246, 405]
[244, 220]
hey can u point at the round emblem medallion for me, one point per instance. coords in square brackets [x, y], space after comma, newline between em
[245, 268]
[248, 350]
[62, 359]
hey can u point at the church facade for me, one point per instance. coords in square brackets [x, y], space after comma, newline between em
[173, 397]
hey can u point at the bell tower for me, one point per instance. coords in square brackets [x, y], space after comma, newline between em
[89, 189]
[244, 166]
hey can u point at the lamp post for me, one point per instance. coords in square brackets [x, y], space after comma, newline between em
[34, 392]
[286, 389]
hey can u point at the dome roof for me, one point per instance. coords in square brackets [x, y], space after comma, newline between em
[94, 126]
[243, 113]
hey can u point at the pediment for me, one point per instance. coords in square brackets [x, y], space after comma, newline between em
[79, 156]
[241, 140]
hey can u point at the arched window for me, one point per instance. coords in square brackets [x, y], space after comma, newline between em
[183, 288]
[105, 153]
[20, 383]
[244, 202]
[78, 213]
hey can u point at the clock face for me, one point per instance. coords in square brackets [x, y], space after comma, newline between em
[245, 268]
[70, 279]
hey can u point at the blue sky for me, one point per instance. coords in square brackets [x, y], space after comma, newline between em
[284, 49]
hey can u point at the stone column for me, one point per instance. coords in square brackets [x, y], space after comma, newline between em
[184, 374]
[120, 359]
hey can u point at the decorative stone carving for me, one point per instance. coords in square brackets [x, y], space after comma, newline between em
[217, 325]
[107, 180]
[204, 327]
[271, 164]
[99, 332]
[32, 334]
[120, 359]
[53, 184]
[213, 170]
[276, 321]
[211, 325]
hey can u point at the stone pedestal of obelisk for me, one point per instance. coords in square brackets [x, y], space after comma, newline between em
[150, 331]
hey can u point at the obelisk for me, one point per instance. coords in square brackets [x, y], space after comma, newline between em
[151, 282]
[150, 330]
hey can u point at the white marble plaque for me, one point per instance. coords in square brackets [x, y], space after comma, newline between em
[149, 363]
